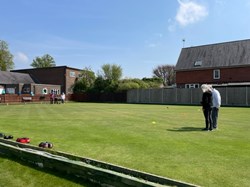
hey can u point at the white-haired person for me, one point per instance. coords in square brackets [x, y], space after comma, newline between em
[216, 98]
[207, 106]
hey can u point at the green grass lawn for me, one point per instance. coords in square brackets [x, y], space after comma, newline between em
[124, 134]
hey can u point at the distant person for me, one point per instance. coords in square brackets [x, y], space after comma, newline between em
[207, 106]
[216, 105]
[52, 97]
[63, 97]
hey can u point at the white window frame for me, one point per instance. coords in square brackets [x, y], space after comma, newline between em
[195, 85]
[197, 63]
[216, 74]
[72, 74]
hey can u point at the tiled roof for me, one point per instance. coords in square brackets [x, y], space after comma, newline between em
[229, 54]
[14, 78]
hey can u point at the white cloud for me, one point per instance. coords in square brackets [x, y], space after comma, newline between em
[21, 57]
[21, 60]
[190, 12]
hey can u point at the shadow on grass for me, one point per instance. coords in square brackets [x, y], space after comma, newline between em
[185, 129]
[71, 178]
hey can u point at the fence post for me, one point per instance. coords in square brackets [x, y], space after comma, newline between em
[246, 97]
[149, 96]
[226, 96]
[162, 96]
[191, 95]
[137, 95]
[176, 95]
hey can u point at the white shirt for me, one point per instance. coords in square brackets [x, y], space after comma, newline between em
[216, 98]
[63, 96]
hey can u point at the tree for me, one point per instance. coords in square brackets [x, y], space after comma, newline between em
[128, 84]
[111, 72]
[85, 82]
[166, 73]
[102, 85]
[44, 61]
[88, 76]
[107, 80]
[6, 58]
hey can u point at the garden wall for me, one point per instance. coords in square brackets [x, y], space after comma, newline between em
[23, 98]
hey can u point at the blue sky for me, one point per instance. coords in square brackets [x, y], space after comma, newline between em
[138, 35]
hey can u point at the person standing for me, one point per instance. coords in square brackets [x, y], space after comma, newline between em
[63, 97]
[216, 105]
[207, 106]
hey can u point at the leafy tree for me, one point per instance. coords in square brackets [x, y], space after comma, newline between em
[6, 58]
[127, 84]
[111, 72]
[85, 82]
[141, 83]
[153, 82]
[44, 61]
[107, 80]
[101, 84]
[88, 76]
[79, 86]
[166, 73]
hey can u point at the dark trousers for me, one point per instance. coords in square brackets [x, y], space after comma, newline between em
[208, 118]
[215, 112]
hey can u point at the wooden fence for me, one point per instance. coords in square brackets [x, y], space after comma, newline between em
[230, 96]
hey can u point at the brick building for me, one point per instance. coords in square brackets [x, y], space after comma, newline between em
[22, 83]
[218, 64]
[59, 75]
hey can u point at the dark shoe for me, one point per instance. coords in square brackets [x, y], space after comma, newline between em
[211, 129]
[205, 129]
[8, 137]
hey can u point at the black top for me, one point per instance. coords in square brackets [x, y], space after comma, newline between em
[207, 100]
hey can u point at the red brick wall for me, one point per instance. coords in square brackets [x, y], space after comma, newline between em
[227, 75]
[14, 98]
[38, 88]
[56, 75]
[70, 80]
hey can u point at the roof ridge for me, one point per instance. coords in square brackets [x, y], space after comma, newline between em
[219, 43]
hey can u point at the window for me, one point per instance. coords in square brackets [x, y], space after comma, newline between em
[216, 74]
[26, 90]
[10, 90]
[191, 85]
[197, 63]
[72, 74]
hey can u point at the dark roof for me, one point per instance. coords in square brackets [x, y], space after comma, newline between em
[229, 54]
[64, 67]
[14, 78]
